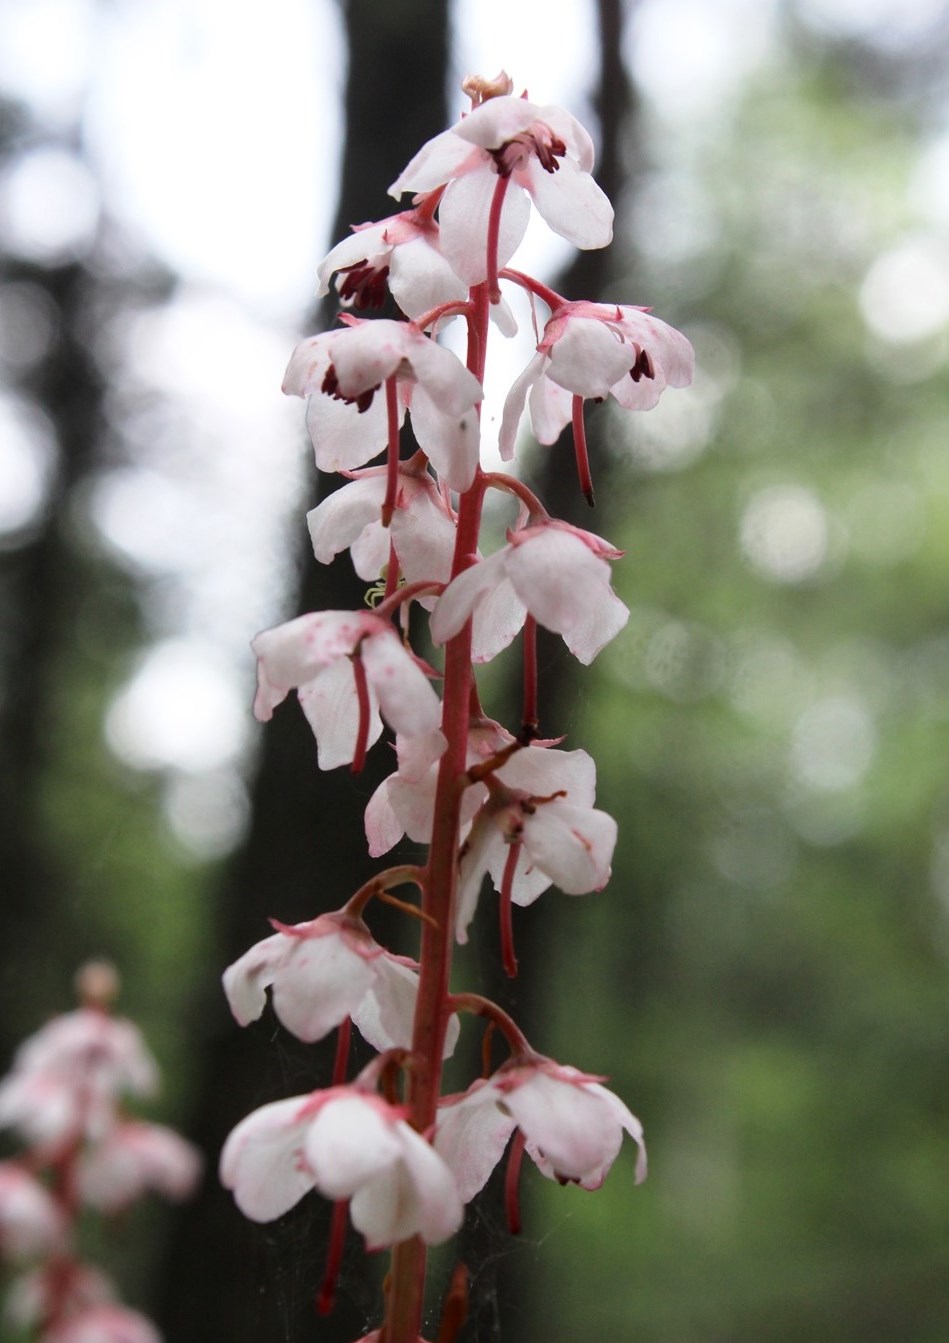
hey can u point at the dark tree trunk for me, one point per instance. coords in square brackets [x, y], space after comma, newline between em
[305, 851]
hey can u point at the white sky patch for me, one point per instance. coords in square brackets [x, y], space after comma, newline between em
[217, 134]
[694, 56]
[181, 710]
[905, 295]
[49, 207]
[550, 52]
[45, 51]
[883, 21]
[27, 460]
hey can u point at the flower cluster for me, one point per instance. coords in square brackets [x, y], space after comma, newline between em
[394, 1155]
[65, 1098]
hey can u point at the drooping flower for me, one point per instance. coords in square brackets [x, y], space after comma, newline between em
[315, 654]
[546, 157]
[595, 350]
[340, 373]
[31, 1222]
[132, 1158]
[323, 971]
[556, 572]
[573, 1125]
[66, 1078]
[400, 254]
[347, 1144]
[563, 839]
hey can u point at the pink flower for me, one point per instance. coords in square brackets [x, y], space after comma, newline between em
[104, 1324]
[400, 254]
[315, 654]
[31, 1222]
[546, 155]
[66, 1078]
[132, 1158]
[573, 1126]
[347, 1144]
[563, 838]
[340, 372]
[595, 350]
[422, 529]
[324, 971]
[556, 572]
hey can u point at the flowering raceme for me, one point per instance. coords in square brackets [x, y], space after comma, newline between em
[393, 1154]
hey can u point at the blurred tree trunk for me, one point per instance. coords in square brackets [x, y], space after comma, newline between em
[305, 851]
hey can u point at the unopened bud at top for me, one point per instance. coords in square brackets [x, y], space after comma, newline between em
[97, 984]
[479, 89]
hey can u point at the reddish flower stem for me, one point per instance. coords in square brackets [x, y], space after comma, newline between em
[580, 451]
[494, 230]
[508, 958]
[362, 698]
[392, 461]
[433, 1006]
[326, 1297]
[529, 718]
[512, 1203]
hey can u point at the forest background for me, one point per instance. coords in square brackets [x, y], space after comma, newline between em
[765, 978]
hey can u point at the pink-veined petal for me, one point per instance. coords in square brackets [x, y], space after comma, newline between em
[331, 706]
[573, 845]
[420, 278]
[589, 357]
[543, 770]
[570, 201]
[471, 1133]
[383, 827]
[440, 159]
[248, 978]
[451, 442]
[259, 1162]
[464, 212]
[344, 437]
[573, 1128]
[349, 1141]
[337, 522]
[406, 698]
[322, 981]
[463, 595]
[514, 405]
[566, 587]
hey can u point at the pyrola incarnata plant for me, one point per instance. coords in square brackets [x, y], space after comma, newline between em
[396, 1156]
[65, 1097]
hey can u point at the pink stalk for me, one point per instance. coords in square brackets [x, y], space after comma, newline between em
[341, 1062]
[433, 1006]
[494, 229]
[362, 696]
[392, 460]
[326, 1298]
[512, 1203]
[529, 718]
[580, 449]
[508, 958]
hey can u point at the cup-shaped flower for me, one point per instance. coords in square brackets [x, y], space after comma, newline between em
[595, 350]
[572, 1124]
[341, 371]
[31, 1221]
[323, 971]
[545, 155]
[133, 1158]
[400, 255]
[348, 1144]
[315, 654]
[67, 1078]
[563, 838]
[558, 573]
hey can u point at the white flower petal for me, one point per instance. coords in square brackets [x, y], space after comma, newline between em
[260, 1163]
[471, 1134]
[406, 698]
[572, 204]
[463, 214]
[573, 845]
